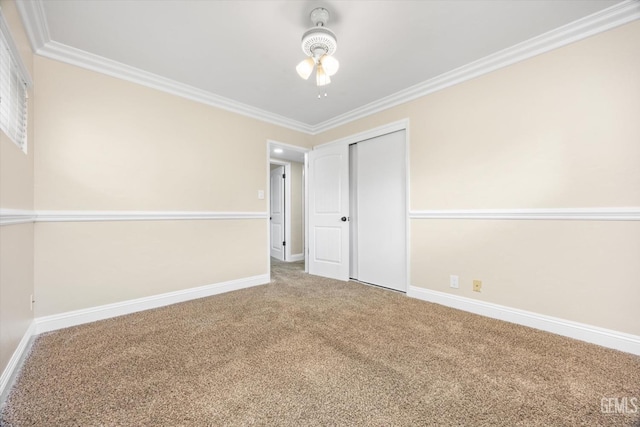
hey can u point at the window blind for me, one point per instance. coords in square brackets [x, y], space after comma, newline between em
[13, 96]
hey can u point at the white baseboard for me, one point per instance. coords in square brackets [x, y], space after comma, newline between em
[580, 331]
[87, 315]
[296, 257]
[15, 362]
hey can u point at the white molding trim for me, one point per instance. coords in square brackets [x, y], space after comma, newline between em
[80, 58]
[296, 257]
[291, 147]
[88, 315]
[35, 23]
[16, 360]
[580, 331]
[16, 216]
[598, 22]
[34, 20]
[87, 216]
[576, 214]
[369, 133]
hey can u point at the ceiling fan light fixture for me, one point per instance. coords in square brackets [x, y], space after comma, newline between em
[329, 64]
[322, 78]
[305, 68]
[319, 44]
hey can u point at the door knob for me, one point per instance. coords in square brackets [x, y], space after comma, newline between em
[343, 219]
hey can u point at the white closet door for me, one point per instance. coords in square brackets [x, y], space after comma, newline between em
[381, 211]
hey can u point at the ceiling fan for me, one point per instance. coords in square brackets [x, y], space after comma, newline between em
[319, 44]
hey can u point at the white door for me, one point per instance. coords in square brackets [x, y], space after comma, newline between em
[276, 212]
[329, 212]
[379, 169]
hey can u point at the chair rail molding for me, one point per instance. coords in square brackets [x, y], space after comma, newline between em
[16, 216]
[87, 216]
[575, 214]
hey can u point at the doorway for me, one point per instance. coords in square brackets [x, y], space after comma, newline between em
[286, 202]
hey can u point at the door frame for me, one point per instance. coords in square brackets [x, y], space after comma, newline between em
[373, 133]
[271, 144]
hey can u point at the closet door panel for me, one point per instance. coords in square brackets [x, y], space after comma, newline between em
[381, 218]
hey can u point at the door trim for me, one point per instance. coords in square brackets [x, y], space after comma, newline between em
[270, 145]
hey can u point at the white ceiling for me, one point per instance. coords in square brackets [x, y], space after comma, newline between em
[247, 51]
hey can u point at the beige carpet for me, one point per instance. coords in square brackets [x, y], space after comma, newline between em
[306, 351]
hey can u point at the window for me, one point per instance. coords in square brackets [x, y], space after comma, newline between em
[14, 82]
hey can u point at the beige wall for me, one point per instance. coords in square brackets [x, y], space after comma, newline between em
[16, 241]
[584, 271]
[16, 287]
[81, 265]
[557, 130]
[108, 144]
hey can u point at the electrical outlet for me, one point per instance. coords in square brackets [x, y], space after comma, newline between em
[261, 194]
[454, 282]
[477, 285]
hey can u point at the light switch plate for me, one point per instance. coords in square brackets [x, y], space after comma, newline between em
[454, 281]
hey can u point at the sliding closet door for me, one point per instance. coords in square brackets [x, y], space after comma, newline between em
[381, 211]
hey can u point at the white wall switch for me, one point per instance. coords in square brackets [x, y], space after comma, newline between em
[261, 194]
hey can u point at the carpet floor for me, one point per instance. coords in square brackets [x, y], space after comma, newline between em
[308, 351]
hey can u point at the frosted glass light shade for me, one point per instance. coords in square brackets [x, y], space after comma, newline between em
[322, 78]
[330, 64]
[305, 68]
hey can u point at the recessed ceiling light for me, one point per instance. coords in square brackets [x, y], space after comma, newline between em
[277, 150]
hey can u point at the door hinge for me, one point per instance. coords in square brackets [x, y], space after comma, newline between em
[284, 243]
[284, 175]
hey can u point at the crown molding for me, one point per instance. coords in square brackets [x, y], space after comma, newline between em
[575, 214]
[34, 20]
[80, 58]
[35, 23]
[598, 22]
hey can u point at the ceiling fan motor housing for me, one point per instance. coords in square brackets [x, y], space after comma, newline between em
[319, 38]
